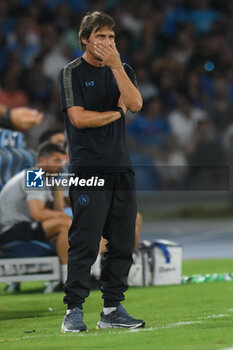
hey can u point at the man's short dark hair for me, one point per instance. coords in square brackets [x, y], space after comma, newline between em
[48, 148]
[94, 21]
[48, 134]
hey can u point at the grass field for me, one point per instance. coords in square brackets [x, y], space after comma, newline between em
[195, 316]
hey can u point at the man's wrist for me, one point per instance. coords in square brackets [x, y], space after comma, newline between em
[6, 119]
[118, 69]
[120, 110]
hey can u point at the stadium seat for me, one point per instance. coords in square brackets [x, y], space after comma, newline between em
[6, 156]
[19, 143]
[18, 159]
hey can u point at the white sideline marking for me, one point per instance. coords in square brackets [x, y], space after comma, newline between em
[183, 323]
[172, 325]
[214, 316]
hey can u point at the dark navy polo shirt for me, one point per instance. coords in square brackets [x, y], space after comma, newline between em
[102, 149]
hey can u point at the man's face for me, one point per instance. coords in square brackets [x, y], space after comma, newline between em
[104, 36]
[52, 164]
[58, 138]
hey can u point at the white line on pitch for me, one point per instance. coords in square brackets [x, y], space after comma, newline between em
[214, 316]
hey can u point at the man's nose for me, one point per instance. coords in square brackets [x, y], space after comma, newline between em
[107, 41]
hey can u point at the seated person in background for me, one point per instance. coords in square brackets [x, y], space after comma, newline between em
[20, 118]
[56, 136]
[36, 214]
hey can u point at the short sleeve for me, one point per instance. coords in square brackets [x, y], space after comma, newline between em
[44, 196]
[131, 74]
[69, 89]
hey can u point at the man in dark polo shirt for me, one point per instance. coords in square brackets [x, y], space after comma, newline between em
[96, 91]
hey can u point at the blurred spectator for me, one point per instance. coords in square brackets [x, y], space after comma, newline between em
[24, 41]
[3, 52]
[53, 51]
[221, 109]
[131, 18]
[194, 87]
[11, 94]
[204, 146]
[123, 42]
[184, 118]
[206, 158]
[6, 22]
[146, 87]
[39, 87]
[202, 15]
[174, 13]
[150, 130]
[227, 141]
[184, 44]
[171, 166]
[63, 17]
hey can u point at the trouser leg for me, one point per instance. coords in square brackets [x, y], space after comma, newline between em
[84, 237]
[120, 233]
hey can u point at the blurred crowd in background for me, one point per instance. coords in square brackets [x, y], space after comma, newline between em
[182, 53]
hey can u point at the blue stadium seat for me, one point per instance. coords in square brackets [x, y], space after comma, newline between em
[18, 159]
[28, 157]
[6, 156]
[1, 167]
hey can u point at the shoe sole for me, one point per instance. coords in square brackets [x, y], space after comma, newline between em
[104, 325]
[66, 330]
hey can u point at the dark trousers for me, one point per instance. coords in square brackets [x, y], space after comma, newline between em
[111, 212]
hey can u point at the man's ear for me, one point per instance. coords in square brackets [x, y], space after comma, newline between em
[84, 41]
